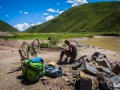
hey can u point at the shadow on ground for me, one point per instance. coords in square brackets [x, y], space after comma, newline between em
[24, 81]
[15, 70]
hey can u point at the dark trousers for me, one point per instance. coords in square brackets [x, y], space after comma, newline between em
[68, 54]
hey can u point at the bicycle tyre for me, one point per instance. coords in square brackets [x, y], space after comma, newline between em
[24, 50]
[36, 45]
[79, 61]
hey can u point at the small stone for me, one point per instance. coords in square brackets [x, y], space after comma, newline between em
[43, 78]
[66, 79]
[22, 89]
[75, 76]
[64, 74]
[44, 83]
[71, 82]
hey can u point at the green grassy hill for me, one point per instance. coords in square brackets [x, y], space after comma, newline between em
[91, 17]
[6, 27]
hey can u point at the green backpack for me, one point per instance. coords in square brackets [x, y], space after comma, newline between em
[33, 69]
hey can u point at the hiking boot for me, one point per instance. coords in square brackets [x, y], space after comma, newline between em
[65, 61]
[59, 61]
[72, 61]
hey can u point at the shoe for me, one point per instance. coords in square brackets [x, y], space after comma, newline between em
[65, 61]
[59, 61]
[72, 61]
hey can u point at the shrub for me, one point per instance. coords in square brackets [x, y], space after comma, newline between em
[54, 39]
[45, 45]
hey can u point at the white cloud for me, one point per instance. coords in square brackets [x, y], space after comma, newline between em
[21, 12]
[45, 13]
[56, 11]
[7, 15]
[77, 2]
[25, 12]
[24, 26]
[52, 10]
[21, 27]
[49, 17]
[33, 24]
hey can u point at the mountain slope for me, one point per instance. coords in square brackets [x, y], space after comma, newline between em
[92, 17]
[6, 27]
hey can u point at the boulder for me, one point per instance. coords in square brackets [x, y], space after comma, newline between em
[103, 62]
[88, 82]
[116, 69]
[87, 68]
[104, 82]
[116, 82]
[103, 69]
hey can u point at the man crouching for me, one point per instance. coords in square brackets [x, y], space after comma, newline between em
[71, 52]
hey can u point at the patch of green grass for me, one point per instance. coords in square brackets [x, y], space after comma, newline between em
[45, 45]
[44, 36]
[53, 37]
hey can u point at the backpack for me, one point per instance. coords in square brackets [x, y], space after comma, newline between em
[53, 72]
[33, 69]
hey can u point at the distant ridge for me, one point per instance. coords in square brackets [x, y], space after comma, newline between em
[4, 27]
[91, 17]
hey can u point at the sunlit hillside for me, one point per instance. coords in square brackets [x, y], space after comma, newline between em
[91, 17]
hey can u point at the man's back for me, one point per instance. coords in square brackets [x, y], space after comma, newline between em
[74, 49]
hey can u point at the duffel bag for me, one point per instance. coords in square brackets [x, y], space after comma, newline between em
[53, 71]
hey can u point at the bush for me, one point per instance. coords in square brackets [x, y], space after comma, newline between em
[53, 40]
[45, 45]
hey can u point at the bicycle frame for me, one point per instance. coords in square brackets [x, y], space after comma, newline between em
[29, 50]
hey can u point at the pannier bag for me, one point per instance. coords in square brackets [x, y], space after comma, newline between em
[24, 68]
[33, 69]
[53, 71]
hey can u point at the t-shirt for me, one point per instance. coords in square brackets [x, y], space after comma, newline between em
[73, 49]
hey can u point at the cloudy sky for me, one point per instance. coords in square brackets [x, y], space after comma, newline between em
[22, 14]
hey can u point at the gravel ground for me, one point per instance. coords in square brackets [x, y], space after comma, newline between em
[10, 73]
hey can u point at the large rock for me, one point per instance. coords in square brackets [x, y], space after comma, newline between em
[103, 69]
[104, 81]
[116, 82]
[87, 68]
[116, 69]
[103, 62]
[88, 82]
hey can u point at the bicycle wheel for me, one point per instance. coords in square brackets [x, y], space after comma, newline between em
[78, 62]
[24, 50]
[31, 51]
[36, 45]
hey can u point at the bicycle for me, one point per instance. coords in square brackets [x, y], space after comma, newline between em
[29, 50]
[79, 61]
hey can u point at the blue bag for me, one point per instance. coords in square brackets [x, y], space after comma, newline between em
[53, 71]
[35, 60]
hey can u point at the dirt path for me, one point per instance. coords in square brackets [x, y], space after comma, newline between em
[10, 74]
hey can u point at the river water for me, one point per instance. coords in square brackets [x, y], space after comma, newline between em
[105, 42]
